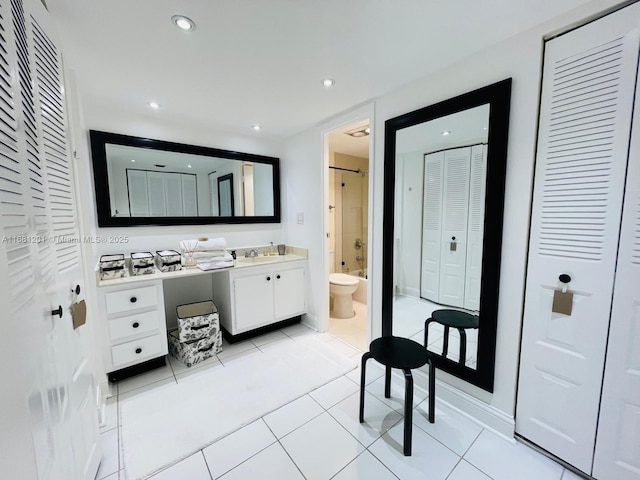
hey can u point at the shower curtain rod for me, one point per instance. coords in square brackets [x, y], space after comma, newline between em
[346, 169]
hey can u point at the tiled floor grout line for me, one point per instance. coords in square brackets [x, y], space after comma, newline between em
[206, 463]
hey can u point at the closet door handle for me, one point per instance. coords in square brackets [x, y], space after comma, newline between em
[564, 278]
[268, 279]
[133, 299]
[138, 350]
[278, 277]
[135, 325]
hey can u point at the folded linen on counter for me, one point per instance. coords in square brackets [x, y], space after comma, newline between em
[212, 254]
[204, 245]
[201, 257]
[214, 265]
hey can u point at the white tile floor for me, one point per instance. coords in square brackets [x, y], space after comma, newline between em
[318, 436]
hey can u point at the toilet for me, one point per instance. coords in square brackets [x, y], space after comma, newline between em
[341, 289]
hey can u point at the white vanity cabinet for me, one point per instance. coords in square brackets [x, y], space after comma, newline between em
[263, 295]
[134, 321]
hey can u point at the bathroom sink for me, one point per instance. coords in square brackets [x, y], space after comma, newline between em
[252, 260]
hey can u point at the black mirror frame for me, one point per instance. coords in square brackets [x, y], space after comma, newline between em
[498, 95]
[99, 139]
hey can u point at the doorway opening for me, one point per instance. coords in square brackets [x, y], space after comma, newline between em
[348, 207]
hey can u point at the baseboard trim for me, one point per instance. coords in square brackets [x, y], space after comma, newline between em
[310, 321]
[490, 417]
[480, 412]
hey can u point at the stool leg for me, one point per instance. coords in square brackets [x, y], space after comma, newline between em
[432, 392]
[426, 332]
[445, 341]
[387, 382]
[463, 346]
[408, 411]
[363, 377]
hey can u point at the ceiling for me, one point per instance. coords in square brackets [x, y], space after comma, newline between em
[262, 61]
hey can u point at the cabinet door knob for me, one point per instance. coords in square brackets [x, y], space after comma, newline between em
[138, 350]
[133, 299]
[278, 277]
[268, 279]
[135, 325]
[564, 278]
[58, 312]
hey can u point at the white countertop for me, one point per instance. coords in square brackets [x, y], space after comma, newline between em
[239, 263]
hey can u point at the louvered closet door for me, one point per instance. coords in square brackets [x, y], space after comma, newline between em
[432, 226]
[49, 396]
[138, 195]
[455, 212]
[475, 228]
[67, 349]
[617, 453]
[189, 195]
[587, 97]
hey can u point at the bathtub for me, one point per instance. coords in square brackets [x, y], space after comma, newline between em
[361, 293]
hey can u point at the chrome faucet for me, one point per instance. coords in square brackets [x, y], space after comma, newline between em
[251, 253]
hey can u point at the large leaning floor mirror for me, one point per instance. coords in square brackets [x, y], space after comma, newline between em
[443, 205]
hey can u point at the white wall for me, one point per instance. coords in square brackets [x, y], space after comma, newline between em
[519, 58]
[305, 183]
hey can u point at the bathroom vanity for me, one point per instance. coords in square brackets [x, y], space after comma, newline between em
[254, 296]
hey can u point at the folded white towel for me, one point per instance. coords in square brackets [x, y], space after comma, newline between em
[211, 254]
[204, 245]
[214, 265]
[202, 257]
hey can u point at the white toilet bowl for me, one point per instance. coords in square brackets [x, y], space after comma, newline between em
[341, 288]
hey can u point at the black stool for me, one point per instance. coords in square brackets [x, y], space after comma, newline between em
[397, 352]
[456, 319]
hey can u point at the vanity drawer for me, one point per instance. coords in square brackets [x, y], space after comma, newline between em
[133, 325]
[132, 299]
[137, 350]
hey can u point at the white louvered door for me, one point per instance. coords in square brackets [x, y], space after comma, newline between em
[138, 195]
[432, 226]
[617, 454]
[50, 401]
[455, 212]
[587, 96]
[475, 230]
[189, 195]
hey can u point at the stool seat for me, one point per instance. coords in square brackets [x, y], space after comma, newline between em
[455, 318]
[452, 319]
[398, 352]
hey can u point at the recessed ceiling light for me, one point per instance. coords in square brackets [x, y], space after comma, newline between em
[257, 128]
[133, 160]
[183, 23]
[358, 132]
[484, 128]
[446, 132]
[188, 166]
[154, 105]
[328, 82]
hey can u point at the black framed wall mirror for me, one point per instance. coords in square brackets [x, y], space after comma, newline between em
[141, 181]
[444, 182]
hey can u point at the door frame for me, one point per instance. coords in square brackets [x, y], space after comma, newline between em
[359, 114]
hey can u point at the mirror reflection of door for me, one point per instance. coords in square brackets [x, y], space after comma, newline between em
[225, 195]
[439, 212]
